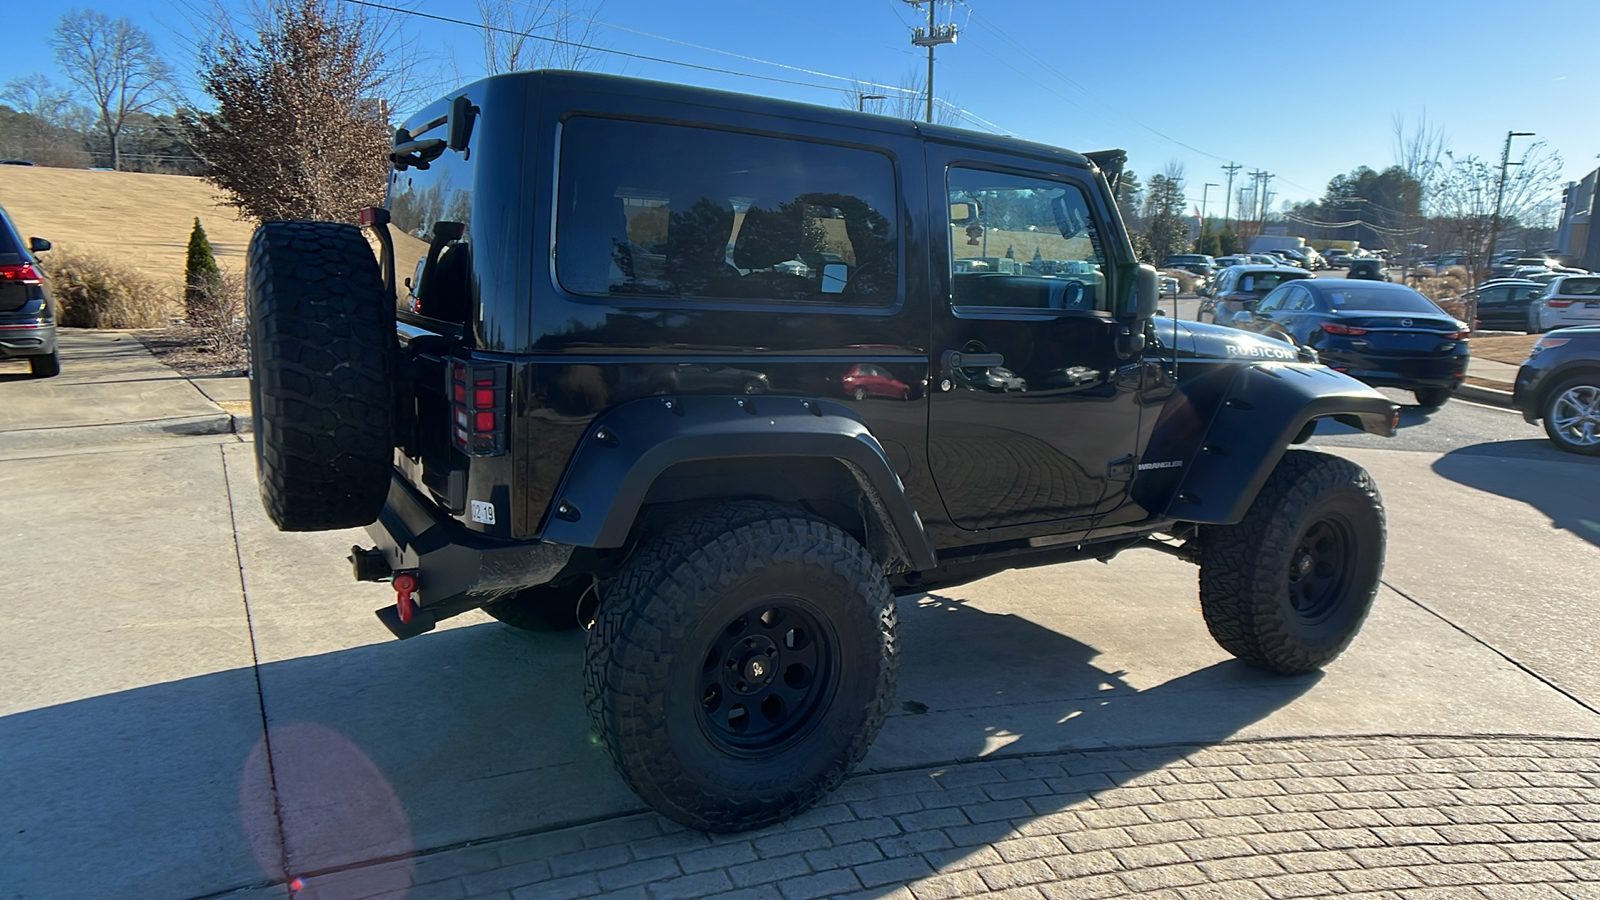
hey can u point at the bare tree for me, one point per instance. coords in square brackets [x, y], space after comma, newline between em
[1464, 203]
[537, 34]
[116, 64]
[300, 128]
[1419, 149]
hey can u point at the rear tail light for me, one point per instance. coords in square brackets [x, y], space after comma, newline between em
[478, 395]
[1332, 328]
[1459, 335]
[23, 273]
[1558, 304]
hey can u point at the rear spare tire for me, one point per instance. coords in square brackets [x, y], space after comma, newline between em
[322, 349]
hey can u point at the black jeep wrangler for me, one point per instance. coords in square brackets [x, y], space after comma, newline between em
[718, 378]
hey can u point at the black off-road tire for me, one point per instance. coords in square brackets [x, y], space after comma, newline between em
[1247, 578]
[45, 366]
[658, 641]
[544, 608]
[1432, 398]
[322, 351]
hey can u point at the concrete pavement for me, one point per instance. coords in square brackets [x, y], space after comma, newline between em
[197, 705]
[110, 389]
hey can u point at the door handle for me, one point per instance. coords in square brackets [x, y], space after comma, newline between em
[955, 359]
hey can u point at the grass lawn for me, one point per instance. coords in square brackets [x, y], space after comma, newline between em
[1511, 349]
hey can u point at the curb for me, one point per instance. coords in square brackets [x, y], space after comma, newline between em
[1490, 396]
[244, 424]
[76, 436]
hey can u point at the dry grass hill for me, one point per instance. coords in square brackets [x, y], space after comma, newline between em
[133, 219]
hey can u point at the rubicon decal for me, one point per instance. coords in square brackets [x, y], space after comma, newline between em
[1260, 351]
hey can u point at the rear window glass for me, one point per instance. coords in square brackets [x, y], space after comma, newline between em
[1261, 282]
[1580, 287]
[10, 243]
[652, 210]
[1381, 300]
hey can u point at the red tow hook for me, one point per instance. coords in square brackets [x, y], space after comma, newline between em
[405, 583]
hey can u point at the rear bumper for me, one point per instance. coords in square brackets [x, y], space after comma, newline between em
[1400, 371]
[23, 338]
[1525, 393]
[456, 569]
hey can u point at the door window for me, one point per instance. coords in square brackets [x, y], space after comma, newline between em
[1298, 300]
[1020, 242]
[1275, 300]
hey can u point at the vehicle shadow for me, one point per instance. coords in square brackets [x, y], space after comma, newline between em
[381, 753]
[1563, 486]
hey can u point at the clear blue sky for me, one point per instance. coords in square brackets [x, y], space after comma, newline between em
[1303, 91]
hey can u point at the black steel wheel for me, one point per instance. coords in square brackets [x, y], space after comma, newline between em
[765, 676]
[1289, 586]
[740, 663]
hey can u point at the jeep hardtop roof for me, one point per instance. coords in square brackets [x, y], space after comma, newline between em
[561, 80]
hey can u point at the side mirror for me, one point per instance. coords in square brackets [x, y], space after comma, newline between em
[1148, 294]
[38, 245]
[458, 128]
[1240, 319]
[961, 213]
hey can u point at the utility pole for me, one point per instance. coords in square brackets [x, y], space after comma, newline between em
[861, 100]
[1500, 193]
[1266, 197]
[931, 38]
[1227, 201]
[1255, 195]
[1204, 194]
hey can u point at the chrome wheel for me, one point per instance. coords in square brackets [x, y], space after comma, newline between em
[1575, 415]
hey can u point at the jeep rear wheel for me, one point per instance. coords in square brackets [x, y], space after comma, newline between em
[1288, 587]
[741, 663]
[322, 347]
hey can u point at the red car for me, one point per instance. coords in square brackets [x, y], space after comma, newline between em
[866, 380]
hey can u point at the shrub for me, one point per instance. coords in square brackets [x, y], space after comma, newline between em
[199, 272]
[91, 291]
[1186, 279]
[217, 312]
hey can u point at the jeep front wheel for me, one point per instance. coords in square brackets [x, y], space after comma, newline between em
[1288, 587]
[741, 664]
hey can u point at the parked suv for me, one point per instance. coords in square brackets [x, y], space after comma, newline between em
[1560, 384]
[1570, 300]
[27, 311]
[735, 556]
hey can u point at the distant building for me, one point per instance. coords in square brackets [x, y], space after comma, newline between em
[1576, 240]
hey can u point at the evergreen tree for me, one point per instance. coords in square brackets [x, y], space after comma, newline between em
[200, 272]
[1228, 241]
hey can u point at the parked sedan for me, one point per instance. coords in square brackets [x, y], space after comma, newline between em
[27, 311]
[1511, 304]
[1236, 287]
[866, 380]
[1560, 383]
[1570, 300]
[1385, 334]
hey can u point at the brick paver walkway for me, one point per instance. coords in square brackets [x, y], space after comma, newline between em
[1371, 818]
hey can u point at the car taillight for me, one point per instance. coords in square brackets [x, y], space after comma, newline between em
[478, 407]
[1558, 304]
[23, 273]
[1332, 328]
[1459, 335]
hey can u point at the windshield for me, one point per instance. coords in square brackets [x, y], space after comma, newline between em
[1370, 300]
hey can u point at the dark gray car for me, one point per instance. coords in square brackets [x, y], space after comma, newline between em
[27, 311]
[1560, 383]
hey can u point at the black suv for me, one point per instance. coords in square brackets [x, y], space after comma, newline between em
[527, 400]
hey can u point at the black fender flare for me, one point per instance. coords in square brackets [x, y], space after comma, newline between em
[628, 447]
[1266, 406]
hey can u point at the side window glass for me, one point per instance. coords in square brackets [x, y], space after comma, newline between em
[1275, 300]
[1299, 300]
[650, 210]
[1019, 242]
